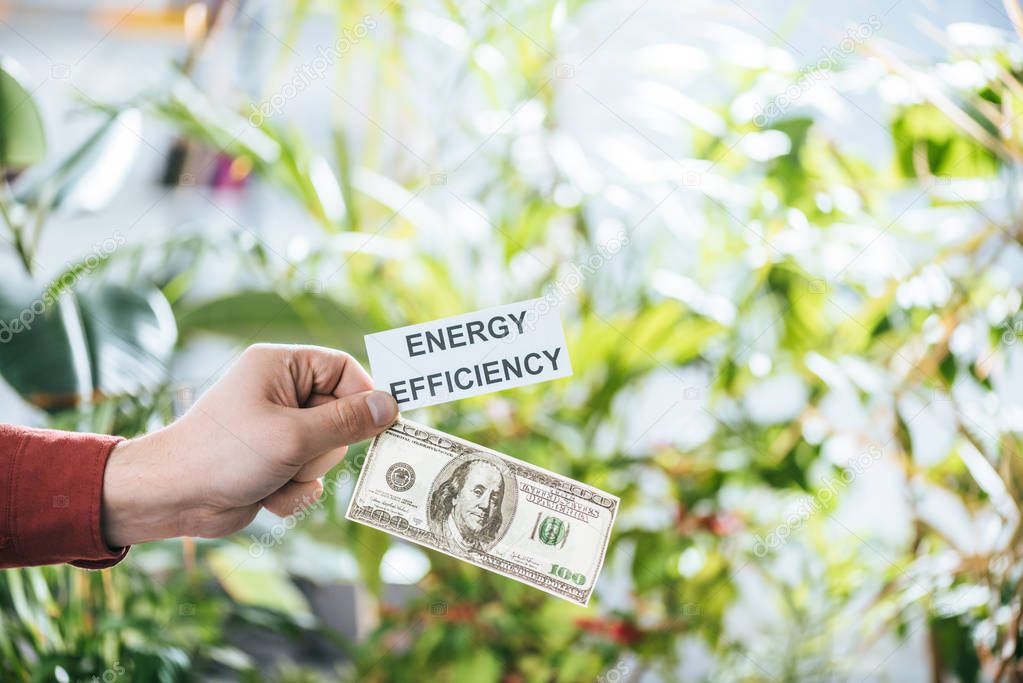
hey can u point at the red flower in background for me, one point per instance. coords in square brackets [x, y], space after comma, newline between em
[617, 630]
[455, 614]
[721, 523]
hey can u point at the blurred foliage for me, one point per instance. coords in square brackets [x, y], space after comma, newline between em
[23, 142]
[795, 336]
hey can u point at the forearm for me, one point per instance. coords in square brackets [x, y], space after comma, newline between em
[261, 437]
[144, 496]
[51, 487]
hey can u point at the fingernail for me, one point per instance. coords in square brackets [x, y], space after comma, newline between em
[382, 407]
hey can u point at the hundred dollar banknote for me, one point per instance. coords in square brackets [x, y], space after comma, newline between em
[487, 508]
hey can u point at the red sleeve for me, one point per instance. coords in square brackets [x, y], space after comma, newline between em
[51, 493]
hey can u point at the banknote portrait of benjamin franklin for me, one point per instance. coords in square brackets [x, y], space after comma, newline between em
[472, 502]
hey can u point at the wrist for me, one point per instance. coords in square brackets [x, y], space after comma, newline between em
[141, 499]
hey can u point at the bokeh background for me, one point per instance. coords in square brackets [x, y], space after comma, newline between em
[784, 240]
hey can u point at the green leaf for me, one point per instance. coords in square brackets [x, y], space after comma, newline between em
[269, 317]
[955, 649]
[662, 334]
[369, 546]
[650, 563]
[90, 176]
[482, 666]
[788, 173]
[198, 116]
[579, 665]
[556, 623]
[159, 663]
[60, 349]
[131, 334]
[803, 299]
[22, 140]
[257, 581]
[926, 139]
[44, 354]
[343, 156]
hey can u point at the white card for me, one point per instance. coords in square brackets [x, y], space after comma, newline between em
[467, 355]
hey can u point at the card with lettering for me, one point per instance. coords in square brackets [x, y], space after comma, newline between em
[466, 355]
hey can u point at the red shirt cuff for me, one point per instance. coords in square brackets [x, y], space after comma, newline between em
[53, 486]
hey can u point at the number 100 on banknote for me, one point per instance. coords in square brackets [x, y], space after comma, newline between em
[487, 508]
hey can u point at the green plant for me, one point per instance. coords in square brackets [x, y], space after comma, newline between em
[665, 318]
[64, 344]
[790, 324]
[93, 354]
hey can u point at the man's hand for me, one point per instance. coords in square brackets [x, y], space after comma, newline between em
[262, 436]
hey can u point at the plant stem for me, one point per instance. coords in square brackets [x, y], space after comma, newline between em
[42, 213]
[21, 248]
[19, 242]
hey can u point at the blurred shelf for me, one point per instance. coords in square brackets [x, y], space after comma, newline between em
[149, 17]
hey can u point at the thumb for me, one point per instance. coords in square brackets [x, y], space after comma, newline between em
[347, 420]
